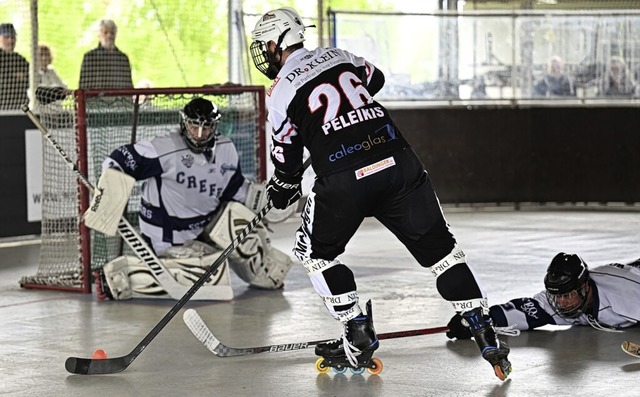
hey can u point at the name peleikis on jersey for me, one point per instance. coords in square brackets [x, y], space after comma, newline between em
[352, 117]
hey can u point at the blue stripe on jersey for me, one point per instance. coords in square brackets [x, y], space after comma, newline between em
[159, 217]
[132, 163]
[528, 309]
[235, 183]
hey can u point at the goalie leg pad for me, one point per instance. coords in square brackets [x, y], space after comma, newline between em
[229, 222]
[254, 261]
[188, 270]
[109, 201]
[128, 277]
[271, 272]
[116, 276]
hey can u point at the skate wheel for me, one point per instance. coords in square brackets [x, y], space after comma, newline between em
[500, 373]
[340, 370]
[320, 367]
[376, 367]
[358, 371]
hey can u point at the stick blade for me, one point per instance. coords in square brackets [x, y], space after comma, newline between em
[632, 349]
[199, 329]
[88, 366]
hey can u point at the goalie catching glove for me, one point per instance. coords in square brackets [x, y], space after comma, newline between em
[284, 189]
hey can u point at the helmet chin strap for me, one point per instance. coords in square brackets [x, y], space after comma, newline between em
[274, 66]
[275, 57]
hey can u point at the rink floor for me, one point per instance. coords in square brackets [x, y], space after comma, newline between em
[509, 251]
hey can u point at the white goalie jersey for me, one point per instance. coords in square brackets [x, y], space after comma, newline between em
[184, 192]
[182, 189]
[616, 289]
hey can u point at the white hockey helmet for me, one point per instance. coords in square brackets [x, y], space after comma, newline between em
[284, 27]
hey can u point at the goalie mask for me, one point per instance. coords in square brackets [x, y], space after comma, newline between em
[199, 124]
[282, 26]
[566, 283]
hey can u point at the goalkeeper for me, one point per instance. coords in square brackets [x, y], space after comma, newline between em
[194, 202]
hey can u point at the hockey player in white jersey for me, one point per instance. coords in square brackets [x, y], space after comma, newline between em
[605, 297]
[194, 201]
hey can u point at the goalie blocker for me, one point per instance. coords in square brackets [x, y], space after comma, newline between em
[254, 261]
[109, 201]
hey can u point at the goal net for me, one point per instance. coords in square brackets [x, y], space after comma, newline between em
[88, 125]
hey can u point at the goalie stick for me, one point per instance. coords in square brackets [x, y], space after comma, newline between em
[200, 330]
[632, 349]
[89, 366]
[174, 289]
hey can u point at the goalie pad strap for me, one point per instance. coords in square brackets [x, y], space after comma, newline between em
[109, 201]
[455, 257]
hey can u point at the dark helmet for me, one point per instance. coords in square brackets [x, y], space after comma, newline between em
[203, 114]
[567, 274]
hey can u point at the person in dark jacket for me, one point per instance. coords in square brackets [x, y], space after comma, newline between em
[555, 83]
[14, 71]
[106, 66]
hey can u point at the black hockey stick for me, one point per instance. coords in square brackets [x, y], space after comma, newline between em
[133, 239]
[89, 366]
[200, 330]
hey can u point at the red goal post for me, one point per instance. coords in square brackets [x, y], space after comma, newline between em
[89, 125]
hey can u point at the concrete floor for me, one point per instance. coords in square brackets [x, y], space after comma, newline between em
[508, 249]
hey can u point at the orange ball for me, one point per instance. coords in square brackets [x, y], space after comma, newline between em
[99, 355]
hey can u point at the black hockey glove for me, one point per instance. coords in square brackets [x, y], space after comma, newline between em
[456, 329]
[283, 189]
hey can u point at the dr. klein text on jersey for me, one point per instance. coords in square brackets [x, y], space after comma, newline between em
[371, 141]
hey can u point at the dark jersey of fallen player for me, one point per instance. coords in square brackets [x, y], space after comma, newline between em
[323, 100]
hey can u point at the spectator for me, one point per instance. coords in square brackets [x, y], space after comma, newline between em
[14, 71]
[618, 80]
[106, 66]
[555, 83]
[47, 76]
[49, 86]
[142, 99]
